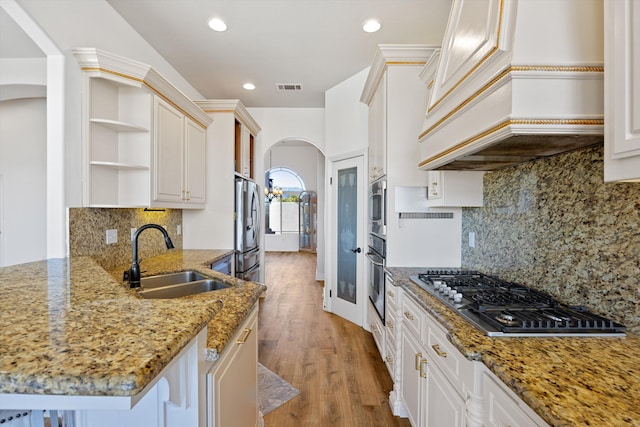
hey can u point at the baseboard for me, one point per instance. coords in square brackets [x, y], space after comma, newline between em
[397, 406]
[319, 277]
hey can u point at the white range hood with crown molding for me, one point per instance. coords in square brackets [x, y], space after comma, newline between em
[516, 80]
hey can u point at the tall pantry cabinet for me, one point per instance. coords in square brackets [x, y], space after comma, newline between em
[143, 140]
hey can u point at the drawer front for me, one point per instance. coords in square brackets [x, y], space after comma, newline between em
[390, 360]
[451, 362]
[391, 295]
[412, 317]
[377, 329]
[392, 327]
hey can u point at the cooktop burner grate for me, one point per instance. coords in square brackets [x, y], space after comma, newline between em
[501, 308]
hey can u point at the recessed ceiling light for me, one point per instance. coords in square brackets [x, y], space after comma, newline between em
[217, 24]
[371, 26]
[249, 86]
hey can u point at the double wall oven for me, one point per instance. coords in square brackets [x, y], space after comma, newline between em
[377, 245]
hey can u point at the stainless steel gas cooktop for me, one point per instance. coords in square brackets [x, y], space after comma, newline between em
[505, 309]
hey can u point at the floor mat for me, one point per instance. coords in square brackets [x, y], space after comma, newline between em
[273, 391]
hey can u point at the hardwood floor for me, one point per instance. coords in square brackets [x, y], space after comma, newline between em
[334, 363]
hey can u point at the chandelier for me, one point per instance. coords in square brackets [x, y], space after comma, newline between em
[271, 191]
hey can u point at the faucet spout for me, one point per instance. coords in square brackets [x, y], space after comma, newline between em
[134, 271]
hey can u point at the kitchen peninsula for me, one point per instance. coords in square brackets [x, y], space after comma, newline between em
[74, 336]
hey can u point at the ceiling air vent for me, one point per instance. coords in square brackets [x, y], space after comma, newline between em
[289, 86]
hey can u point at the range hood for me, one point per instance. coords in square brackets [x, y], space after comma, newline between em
[515, 80]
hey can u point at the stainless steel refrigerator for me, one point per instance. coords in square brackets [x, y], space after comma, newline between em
[247, 230]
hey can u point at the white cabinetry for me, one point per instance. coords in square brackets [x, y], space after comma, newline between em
[179, 153]
[394, 80]
[378, 131]
[230, 137]
[117, 135]
[622, 90]
[502, 408]
[377, 329]
[232, 384]
[516, 80]
[173, 399]
[414, 375]
[439, 386]
[136, 127]
[454, 188]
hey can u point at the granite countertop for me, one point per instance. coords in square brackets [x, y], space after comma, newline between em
[69, 327]
[568, 381]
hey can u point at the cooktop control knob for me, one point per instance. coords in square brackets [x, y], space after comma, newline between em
[457, 297]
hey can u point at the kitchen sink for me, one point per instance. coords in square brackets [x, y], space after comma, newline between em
[162, 280]
[183, 289]
[175, 285]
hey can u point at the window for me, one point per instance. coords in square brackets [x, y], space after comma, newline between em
[282, 211]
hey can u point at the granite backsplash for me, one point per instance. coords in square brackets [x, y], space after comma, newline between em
[554, 224]
[87, 233]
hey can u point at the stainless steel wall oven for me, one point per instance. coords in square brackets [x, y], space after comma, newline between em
[376, 255]
[378, 207]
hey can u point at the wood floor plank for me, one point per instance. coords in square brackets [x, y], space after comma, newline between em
[334, 363]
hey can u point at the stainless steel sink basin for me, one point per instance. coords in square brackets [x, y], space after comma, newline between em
[183, 289]
[175, 285]
[162, 280]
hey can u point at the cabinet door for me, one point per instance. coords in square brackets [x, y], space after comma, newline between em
[378, 131]
[445, 407]
[413, 387]
[233, 381]
[195, 163]
[622, 90]
[168, 153]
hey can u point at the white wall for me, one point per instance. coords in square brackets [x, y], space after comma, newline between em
[346, 124]
[301, 159]
[23, 168]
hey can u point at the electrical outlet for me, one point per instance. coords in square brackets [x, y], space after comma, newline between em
[472, 239]
[179, 229]
[112, 237]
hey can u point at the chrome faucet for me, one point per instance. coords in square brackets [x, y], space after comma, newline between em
[134, 271]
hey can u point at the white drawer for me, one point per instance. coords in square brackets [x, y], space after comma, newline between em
[412, 317]
[442, 353]
[390, 359]
[377, 329]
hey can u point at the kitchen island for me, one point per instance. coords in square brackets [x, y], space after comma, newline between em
[71, 328]
[567, 381]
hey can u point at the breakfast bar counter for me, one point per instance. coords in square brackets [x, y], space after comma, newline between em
[69, 327]
[567, 381]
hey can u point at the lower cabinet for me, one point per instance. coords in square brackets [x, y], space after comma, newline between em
[232, 383]
[377, 329]
[502, 408]
[438, 386]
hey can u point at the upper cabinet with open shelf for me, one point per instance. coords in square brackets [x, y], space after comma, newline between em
[516, 80]
[125, 140]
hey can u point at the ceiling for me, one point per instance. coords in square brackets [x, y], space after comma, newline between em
[314, 43]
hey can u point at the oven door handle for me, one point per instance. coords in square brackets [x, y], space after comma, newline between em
[371, 256]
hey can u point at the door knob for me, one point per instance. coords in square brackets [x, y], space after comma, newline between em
[356, 250]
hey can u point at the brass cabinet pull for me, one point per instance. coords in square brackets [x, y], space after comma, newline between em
[390, 359]
[245, 336]
[418, 357]
[423, 362]
[391, 294]
[390, 324]
[408, 315]
[436, 348]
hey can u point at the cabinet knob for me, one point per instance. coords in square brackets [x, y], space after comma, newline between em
[408, 315]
